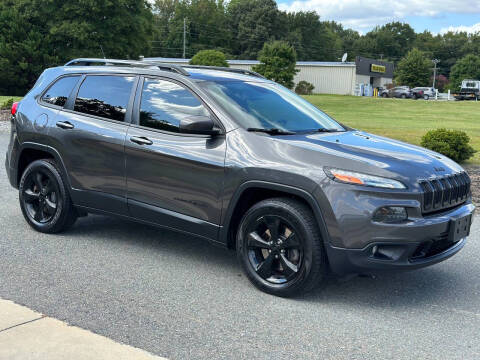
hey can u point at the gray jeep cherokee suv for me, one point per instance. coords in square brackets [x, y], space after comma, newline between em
[238, 160]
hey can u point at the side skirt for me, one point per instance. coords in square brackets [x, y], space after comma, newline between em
[187, 229]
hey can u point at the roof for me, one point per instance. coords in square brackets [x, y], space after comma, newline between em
[193, 74]
[212, 73]
[254, 62]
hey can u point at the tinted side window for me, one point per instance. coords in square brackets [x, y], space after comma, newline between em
[165, 103]
[105, 96]
[58, 93]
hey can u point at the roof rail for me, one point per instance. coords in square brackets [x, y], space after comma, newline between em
[113, 62]
[221, 68]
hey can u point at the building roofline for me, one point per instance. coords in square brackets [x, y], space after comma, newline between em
[256, 62]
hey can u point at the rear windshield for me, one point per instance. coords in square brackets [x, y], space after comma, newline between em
[268, 105]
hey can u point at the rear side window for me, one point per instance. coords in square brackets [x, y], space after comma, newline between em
[58, 93]
[105, 96]
[164, 104]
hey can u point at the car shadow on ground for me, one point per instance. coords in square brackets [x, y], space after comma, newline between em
[439, 284]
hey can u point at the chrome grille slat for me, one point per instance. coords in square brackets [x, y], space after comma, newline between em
[444, 192]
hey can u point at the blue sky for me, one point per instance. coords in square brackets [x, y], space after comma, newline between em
[437, 16]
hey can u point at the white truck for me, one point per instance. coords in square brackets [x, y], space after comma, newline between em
[470, 90]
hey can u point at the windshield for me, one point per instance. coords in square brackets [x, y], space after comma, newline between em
[265, 105]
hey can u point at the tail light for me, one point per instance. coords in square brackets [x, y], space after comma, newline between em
[14, 108]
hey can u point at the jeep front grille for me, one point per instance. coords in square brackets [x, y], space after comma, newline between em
[445, 192]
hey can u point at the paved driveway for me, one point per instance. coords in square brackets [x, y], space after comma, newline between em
[182, 298]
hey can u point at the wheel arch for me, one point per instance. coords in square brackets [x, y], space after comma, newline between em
[250, 193]
[30, 152]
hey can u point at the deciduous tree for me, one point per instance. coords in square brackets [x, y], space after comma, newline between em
[277, 62]
[466, 68]
[414, 69]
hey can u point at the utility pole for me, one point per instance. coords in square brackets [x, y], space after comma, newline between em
[435, 62]
[184, 38]
[101, 48]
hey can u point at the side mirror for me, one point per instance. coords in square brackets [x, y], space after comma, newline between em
[198, 125]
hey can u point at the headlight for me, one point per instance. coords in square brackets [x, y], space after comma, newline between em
[351, 177]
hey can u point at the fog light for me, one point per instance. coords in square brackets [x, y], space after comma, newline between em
[390, 214]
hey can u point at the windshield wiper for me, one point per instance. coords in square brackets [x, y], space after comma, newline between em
[271, 131]
[327, 130]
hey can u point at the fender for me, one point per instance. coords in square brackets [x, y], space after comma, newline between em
[48, 149]
[224, 230]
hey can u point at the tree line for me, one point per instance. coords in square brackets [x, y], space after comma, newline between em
[40, 33]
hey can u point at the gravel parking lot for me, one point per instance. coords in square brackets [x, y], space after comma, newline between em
[182, 298]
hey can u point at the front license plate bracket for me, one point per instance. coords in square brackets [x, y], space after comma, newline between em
[459, 228]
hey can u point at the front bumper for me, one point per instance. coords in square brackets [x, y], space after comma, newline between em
[424, 243]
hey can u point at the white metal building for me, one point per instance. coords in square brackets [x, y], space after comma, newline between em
[327, 77]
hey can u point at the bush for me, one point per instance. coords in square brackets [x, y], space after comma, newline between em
[209, 58]
[304, 88]
[7, 105]
[451, 143]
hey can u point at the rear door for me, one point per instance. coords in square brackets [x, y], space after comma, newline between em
[173, 179]
[89, 134]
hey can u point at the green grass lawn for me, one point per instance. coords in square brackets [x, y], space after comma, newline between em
[406, 120]
[5, 98]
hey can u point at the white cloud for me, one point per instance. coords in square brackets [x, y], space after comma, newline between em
[365, 14]
[469, 29]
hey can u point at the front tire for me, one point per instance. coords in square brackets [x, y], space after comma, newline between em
[44, 198]
[280, 248]
[426, 97]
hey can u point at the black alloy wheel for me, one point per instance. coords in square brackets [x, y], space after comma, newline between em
[275, 250]
[44, 198]
[40, 196]
[280, 248]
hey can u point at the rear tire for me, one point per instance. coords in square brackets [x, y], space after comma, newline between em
[384, 95]
[280, 248]
[44, 198]
[403, 96]
[426, 97]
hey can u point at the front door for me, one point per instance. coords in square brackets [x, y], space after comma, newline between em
[90, 136]
[173, 179]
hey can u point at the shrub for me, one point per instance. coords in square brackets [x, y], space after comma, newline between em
[7, 105]
[451, 143]
[209, 58]
[304, 88]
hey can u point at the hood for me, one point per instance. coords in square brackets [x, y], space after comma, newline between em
[357, 150]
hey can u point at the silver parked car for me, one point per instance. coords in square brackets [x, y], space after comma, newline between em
[423, 92]
[403, 92]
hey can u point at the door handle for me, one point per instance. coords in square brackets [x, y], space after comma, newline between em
[141, 140]
[65, 125]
